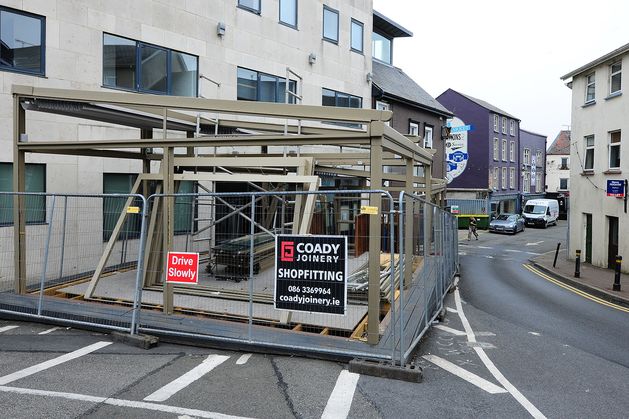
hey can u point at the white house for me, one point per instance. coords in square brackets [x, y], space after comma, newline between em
[558, 164]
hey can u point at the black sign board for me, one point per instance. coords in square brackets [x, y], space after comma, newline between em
[311, 273]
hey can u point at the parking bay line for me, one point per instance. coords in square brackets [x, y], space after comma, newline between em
[340, 400]
[243, 359]
[188, 378]
[7, 328]
[450, 330]
[120, 403]
[471, 378]
[45, 332]
[52, 362]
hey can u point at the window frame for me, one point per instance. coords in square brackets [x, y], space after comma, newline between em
[278, 81]
[527, 156]
[504, 178]
[338, 23]
[616, 145]
[512, 128]
[512, 178]
[42, 208]
[360, 24]
[496, 175]
[526, 187]
[564, 165]
[431, 129]
[42, 45]
[496, 123]
[138, 68]
[504, 125]
[539, 158]
[416, 125]
[512, 151]
[336, 98]
[566, 180]
[590, 83]
[613, 74]
[257, 11]
[504, 149]
[496, 148]
[587, 150]
[296, 3]
[389, 60]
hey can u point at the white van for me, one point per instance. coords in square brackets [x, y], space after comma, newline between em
[541, 212]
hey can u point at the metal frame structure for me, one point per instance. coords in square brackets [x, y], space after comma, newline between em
[363, 145]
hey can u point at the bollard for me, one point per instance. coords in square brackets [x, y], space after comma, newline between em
[556, 253]
[577, 265]
[616, 286]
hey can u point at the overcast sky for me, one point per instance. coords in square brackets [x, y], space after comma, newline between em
[508, 53]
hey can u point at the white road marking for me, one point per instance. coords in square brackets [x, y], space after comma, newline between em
[243, 359]
[340, 400]
[535, 333]
[188, 378]
[120, 403]
[535, 243]
[519, 397]
[471, 378]
[512, 250]
[451, 310]
[7, 328]
[52, 362]
[484, 247]
[533, 253]
[489, 256]
[463, 253]
[450, 330]
[45, 332]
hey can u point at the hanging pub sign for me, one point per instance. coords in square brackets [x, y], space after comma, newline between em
[311, 273]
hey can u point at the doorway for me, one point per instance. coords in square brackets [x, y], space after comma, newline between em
[612, 241]
[588, 238]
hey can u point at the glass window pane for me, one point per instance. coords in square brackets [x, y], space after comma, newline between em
[342, 100]
[614, 156]
[589, 159]
[184, 207]
[268, 86]
[328, 98]
[250, 4]
[381, 48]
[119, 62]
[120, 183]
[355, 102]
[288, 12]
[184, 74]
[615, 86]
[247, 84]
[330, 25]
[154, 69]
[21, 38]
[35, 181]
[357, 36]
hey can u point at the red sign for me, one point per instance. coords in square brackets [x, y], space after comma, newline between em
[182, 267]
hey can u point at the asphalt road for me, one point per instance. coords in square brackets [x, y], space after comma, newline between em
[512, 345]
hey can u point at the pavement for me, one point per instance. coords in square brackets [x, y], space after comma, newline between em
[593, 280]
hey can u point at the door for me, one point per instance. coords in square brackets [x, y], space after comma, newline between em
[588, 238]
[612, 241]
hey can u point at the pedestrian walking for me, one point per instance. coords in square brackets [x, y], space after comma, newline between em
[472, 229]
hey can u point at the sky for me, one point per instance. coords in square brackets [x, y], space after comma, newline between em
[509, 53]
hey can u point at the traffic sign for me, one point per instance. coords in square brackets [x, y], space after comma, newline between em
[182, 268]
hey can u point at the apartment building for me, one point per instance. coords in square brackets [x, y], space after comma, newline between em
[600, 120]
[533, 165]
[558, 164]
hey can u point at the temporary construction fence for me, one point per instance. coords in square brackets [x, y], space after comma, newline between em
[293, 271]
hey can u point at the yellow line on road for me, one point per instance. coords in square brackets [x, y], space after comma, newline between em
[576, 290]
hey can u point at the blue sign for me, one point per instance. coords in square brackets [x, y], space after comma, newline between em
[457, 156]
[616, 188]
[462, 128]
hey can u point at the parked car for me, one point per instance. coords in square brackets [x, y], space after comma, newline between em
[507, 223]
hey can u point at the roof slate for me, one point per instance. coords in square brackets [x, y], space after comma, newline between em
[487, 105]
[395, 82]
[561, 144]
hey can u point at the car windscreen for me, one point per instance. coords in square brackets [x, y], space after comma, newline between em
[503, 217]
[535, 209]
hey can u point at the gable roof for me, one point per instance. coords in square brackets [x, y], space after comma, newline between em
[397, 84]
[387, 26]
[485, 105]
[609, 56]
[561, 144]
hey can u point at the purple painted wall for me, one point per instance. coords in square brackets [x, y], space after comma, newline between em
[536, 143]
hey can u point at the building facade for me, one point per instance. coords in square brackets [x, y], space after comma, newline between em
[218, 49]
[483, 160]
[600, 120]
[533, 168]
[558, 164]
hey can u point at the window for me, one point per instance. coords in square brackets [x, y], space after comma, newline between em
[427, 136]
[504, 150]
[589, 152]
[341, 100]
[251, 5]
[512, 178]
[614, 150]
[512, 151]
[262, 87]
[615, 75]
[357, 36]
[121, 183]
[564, 163]
[563, 184]
[383, 106]
[413, 128]
[288, 12]
[590, 88]
[527, 157]
[527, 183]
[330, 24]
[133, 65]
[381, 48]
[538, 181]
[504, 125]
[512, 128]
[22, 41]
[539, 160]
[496, 122]
[495, 149]
[496, 186]
[504, 178]
[35, 181]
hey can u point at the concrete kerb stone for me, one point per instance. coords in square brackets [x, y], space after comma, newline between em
[411, 373]
[597, 292]
[139, 341]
